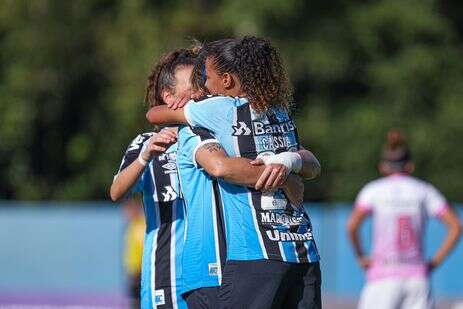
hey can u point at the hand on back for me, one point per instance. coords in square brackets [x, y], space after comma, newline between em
[158, 143]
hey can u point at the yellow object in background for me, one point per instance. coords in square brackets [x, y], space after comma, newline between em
[134, 245]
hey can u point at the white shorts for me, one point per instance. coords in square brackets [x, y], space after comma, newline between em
[413, 293]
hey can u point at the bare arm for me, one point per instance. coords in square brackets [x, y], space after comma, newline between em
[310, 166]
[214, 160]
[163, 115]
[353, 224]
[127, 178]
[454, 229]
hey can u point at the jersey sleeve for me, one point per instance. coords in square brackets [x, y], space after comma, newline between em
[364, 200]
[435, 202]
[193, 139]
[211, 113]
[131, 154]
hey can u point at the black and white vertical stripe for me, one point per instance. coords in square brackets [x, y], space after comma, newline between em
[246, 147]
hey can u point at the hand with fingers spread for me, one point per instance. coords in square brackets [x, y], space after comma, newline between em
[293, 188]
[273, 176]
[158, 143]
[180, 100]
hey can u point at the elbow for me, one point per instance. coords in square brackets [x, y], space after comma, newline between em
[351, 227]
[113, 194]
[217, 169]
[458, 229]
[315, 171]
[150, 116]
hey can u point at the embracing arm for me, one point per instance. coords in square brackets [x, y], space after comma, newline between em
[310, 166]
[127, 177]
[125, 180]
[214, 160]
[163, 115]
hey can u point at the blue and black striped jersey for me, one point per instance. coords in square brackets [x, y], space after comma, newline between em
[164, 212]
[204, 248]
[257, 225]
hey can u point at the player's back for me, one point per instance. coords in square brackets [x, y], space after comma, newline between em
[400, 205]
[258, 226]
[164, 215]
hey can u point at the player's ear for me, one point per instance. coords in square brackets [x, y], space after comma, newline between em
[227, 80]
[167, 96]
[382, 168]
[409, 167]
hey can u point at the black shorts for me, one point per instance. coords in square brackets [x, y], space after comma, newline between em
[202, 298]
[270, 284]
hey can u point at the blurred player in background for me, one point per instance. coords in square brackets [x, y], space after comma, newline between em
[397, 272]
[149, 167]
[272, 260]
[133, 248]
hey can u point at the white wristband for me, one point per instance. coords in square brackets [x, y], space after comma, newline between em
[142, 161]
[292, 160]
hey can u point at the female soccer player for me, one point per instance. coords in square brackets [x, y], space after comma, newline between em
[149, 167]
[272, 260]
[397, 272]
[172, 267]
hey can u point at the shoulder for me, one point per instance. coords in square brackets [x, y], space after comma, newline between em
[218, 100]
[374, 185]
[416, 184]
[213, 98]
[139, 140]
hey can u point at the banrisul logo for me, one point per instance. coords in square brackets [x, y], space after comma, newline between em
[241, 129]
[261, 128]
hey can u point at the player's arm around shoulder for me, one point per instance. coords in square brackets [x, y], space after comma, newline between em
[163, 115]
[211, 156]
[137, 157]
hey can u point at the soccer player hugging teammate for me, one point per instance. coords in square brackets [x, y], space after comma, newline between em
[149, 167]
[272, 259]
[397, 273]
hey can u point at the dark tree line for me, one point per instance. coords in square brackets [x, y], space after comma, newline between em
[72, 78]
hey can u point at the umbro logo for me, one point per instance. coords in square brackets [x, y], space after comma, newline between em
[169, 167]
[242, 129]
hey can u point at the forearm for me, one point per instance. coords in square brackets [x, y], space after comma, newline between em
[162, 115]
[353, 226]
[125, 180]
[237, 171]
[310, 166]
[355, 240]
[448, 244]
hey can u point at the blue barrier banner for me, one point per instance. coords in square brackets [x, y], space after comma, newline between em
[59, 251]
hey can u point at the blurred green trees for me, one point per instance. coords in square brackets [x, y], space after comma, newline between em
[72, 78]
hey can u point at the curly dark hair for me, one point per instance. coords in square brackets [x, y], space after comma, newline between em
[162, 75]
[198, 76]
[259, 68]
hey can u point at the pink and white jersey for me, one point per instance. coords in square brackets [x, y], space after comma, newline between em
[400, 205]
